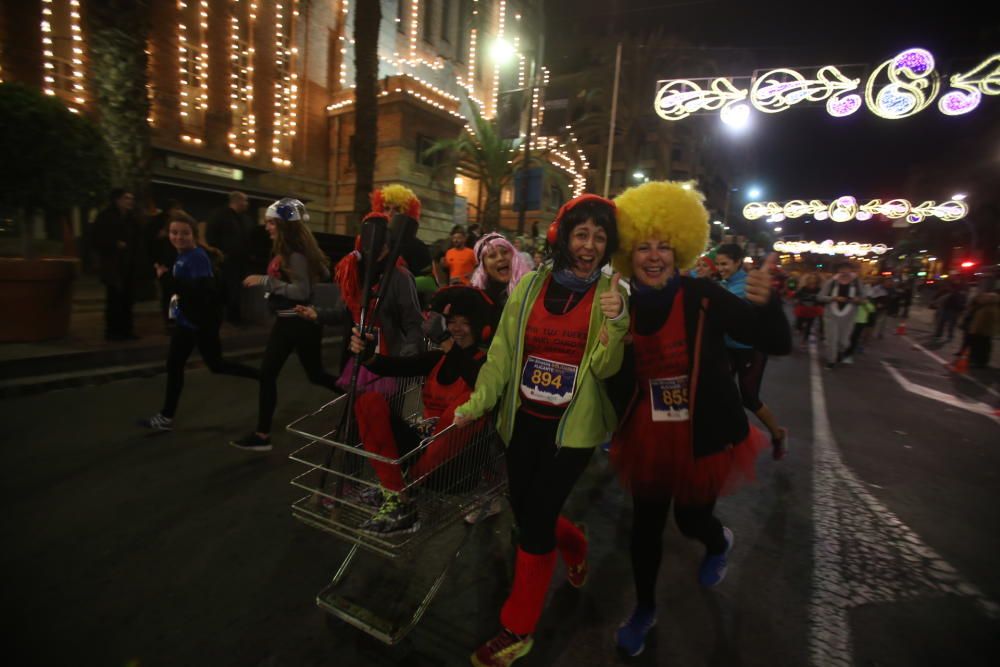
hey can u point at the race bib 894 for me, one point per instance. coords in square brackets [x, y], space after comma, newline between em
[547, 381]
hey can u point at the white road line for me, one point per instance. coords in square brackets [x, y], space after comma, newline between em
[940, 396]
[945, 363]
[862, 553]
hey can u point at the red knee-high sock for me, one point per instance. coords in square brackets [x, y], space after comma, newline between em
[532, 574]
[570, 541]
[372, 412]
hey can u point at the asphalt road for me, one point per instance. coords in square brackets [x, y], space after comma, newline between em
[873, 543]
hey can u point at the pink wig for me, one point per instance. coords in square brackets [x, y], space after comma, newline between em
[518, 267]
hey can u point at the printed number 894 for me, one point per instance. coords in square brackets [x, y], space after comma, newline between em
[546, 379]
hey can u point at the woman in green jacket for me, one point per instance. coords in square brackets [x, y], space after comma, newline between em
[560, 336]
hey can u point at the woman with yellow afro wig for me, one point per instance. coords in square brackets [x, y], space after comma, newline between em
[684, 437]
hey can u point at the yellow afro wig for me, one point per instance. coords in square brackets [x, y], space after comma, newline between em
[396, 195]
[667, 211]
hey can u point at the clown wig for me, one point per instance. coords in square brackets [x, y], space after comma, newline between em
[396, 195]
[518, 267]
[667, 211]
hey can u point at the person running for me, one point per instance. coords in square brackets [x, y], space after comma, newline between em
[195, 305]
[298, 264]
[451, 373]
[684, 438]
[562, 336]
[748, 363]
[807, 307]
[863, 319]
[841, 296]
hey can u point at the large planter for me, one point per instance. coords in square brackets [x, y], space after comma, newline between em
[36, 298]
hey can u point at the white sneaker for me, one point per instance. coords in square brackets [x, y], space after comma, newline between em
[158, 423]
[476, 515]
[848, 360]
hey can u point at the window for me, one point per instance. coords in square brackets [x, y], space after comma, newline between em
[424, 142]
[555, 196]
[446, 21]
[507, 196]
[677, 154]
[428, 21]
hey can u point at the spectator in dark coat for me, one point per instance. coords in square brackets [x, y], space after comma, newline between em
[116, 238]
[229, 232]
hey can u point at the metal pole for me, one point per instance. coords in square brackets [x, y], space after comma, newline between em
[614, 116]
[523, 211]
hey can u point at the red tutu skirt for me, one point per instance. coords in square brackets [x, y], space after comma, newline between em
[651, 461]
[808, 311]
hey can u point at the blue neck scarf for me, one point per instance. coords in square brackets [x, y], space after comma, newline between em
[566, 278]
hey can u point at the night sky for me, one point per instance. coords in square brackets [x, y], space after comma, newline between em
[804, 152]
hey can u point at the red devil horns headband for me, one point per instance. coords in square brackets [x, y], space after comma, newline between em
[553, 232]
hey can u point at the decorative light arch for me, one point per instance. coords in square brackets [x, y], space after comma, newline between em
[847, 208]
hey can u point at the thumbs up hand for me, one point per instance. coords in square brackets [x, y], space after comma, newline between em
[759, 281]
[612, 302]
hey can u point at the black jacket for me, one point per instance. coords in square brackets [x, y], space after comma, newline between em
[200, 299]
[710, 312]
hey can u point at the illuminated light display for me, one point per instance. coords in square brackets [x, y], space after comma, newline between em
[74, 96]
[192, 53]
[243, 131]
[913, 85]
[898, 88]
[286, 87]
[847, 208]
[971, 85]
[682, 97]
[780, 89]
[829, 247]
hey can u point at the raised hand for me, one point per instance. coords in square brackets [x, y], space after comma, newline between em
[612, 302]
[357, 345]
[759, 281]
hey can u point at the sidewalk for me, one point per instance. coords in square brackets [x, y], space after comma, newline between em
[84, 357]
[920, 328]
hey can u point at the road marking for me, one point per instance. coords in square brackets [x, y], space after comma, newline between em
[862, 553]
[940, 396]
[945, 363]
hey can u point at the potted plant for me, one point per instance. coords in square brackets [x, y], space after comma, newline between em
[52, 160]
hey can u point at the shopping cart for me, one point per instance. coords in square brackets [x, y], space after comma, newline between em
[343, 493]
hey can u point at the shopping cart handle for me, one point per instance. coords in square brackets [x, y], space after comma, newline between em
[426, 441]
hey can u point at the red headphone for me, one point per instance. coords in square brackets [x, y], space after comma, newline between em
[553, 233]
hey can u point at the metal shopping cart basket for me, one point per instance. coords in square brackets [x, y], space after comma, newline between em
[343, 492]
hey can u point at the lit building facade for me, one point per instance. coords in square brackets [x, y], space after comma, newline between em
[257, 95]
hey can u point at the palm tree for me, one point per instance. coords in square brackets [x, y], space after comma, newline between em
[485, 156]
[367, 19]
[117, 35]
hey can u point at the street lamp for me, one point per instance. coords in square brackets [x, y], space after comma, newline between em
[638, 175]
[502, 51]
[959, 197]
[754, 192]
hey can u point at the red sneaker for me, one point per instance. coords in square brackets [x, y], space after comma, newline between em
[577, 574]
[502, 650]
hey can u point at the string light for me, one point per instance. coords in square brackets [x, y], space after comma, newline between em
[243, 130]
[899, 87]
[847, 208]
[828, 247]
[286, 87]
[75, 95]
[501, 17]
[193, 72]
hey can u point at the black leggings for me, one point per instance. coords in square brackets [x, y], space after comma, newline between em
[649, 518]
[289, 334]
[540, 478]
[805, 325]
[182, 343]
[749, 368]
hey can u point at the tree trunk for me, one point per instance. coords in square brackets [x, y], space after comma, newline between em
[491, 213]
[367, 20]
[117, 31]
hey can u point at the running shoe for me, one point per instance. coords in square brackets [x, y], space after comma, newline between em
[713, 567]
[502, 650]
[158, 423]
[252, 443]
[395, 517]
[779, 446]
[495, 507]
[631, 634]
[372, 496]
[847, 361]
[577, 574]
